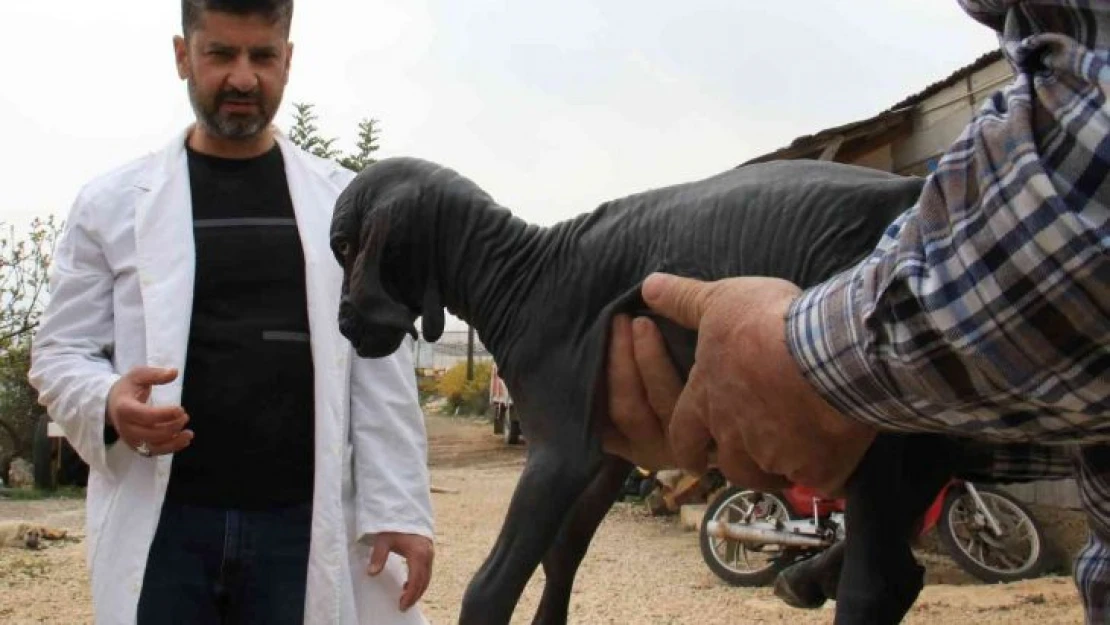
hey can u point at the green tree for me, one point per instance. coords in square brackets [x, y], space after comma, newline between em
[368, 135]
[24, 263]
[305, 134]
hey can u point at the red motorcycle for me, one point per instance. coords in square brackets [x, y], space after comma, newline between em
[748, 536]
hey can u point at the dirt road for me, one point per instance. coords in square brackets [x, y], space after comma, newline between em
[640, 570]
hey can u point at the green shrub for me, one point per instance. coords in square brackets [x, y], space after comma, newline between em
[462, 395]
[426, 387]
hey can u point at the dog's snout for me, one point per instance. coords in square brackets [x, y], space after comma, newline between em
[348, 320]
[346, 309]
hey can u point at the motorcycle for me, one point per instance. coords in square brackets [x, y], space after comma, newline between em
[747, 537]
[639, 483]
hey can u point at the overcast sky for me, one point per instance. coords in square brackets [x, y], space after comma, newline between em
[552, 107]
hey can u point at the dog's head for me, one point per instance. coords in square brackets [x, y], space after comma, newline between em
[32, 536]
[383, 233]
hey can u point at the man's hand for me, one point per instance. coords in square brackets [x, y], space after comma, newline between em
[643, 389]
[745, 393]
[157, 429]
[418, 553]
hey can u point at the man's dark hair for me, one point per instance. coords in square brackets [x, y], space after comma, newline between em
[277, 11]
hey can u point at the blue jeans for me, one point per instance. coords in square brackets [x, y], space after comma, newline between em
[221, 566]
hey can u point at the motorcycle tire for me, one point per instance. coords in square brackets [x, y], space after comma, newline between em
[756, 577]
[1035, 564]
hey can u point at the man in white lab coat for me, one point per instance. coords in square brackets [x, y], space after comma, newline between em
[245, 466]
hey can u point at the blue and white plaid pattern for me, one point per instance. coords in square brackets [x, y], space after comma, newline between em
[1092, 578]
[985, 309]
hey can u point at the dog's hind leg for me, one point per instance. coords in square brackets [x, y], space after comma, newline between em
[563, 557]
[554, 477]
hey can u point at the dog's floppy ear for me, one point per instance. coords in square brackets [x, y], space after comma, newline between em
[431, 317]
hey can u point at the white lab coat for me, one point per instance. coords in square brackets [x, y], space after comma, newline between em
[121, 296]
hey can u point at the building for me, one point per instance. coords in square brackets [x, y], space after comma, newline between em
[909, 138]
[448, 351]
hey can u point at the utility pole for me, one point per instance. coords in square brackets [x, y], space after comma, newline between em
[469, 353]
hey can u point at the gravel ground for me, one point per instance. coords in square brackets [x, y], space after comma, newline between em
[639, 569]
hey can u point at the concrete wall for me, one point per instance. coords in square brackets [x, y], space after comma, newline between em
[1059, 494]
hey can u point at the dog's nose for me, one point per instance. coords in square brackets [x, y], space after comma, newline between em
[348, 326]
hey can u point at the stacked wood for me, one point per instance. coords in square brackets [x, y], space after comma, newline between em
[676, 488]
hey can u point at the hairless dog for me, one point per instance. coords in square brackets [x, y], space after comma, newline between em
[415, 237]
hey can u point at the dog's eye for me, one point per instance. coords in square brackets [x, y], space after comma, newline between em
[342, 248]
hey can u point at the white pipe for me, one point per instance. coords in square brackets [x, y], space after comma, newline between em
[762, 535]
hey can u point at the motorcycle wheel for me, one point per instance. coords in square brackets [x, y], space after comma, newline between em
[1019, 553]
[736, 563]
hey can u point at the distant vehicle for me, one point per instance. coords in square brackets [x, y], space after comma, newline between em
[505, 422]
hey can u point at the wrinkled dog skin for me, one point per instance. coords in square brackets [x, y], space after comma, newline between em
[414, 237]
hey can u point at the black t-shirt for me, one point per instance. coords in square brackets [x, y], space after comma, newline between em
[248, 378]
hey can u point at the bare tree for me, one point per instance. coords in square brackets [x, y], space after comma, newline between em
[24, 263]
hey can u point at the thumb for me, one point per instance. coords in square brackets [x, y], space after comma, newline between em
[378, 555]
[150, 376]
[682, 300]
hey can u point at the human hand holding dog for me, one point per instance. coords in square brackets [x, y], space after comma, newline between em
[137, 422]
[418, 553]
[745, 393]
[643, 389]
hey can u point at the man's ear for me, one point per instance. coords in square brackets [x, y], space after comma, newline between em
[181, 56]
[288, 61]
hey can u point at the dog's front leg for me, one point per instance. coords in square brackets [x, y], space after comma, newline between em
[553, 479]
[563, 557]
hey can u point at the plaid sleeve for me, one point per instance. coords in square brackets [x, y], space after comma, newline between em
[985, 309]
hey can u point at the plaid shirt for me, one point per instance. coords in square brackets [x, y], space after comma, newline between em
[985, 309]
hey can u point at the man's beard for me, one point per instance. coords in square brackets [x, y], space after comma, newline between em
[233, 126]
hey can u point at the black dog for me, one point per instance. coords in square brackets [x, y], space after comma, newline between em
[415, 237]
